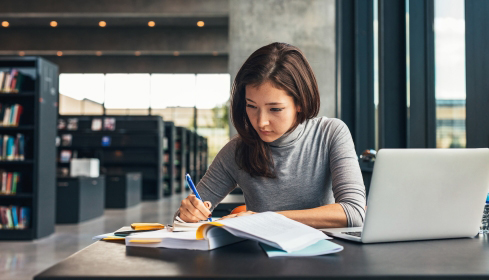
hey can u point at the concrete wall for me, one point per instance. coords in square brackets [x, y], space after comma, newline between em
[307, 24]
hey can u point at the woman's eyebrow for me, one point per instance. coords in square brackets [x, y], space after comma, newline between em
[271, 103]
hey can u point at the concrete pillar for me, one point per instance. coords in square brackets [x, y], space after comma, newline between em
[306, 24]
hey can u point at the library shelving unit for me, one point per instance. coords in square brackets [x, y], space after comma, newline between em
[180, 158]
[201, 156]
[123, 144]
[38, 95]
[169, 158]
[190, 152]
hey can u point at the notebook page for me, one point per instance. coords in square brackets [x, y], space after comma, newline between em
[275, 230]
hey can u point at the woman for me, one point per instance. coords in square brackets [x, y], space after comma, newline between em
[283, 158]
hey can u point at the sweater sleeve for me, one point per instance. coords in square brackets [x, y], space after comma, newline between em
[347, 181]
[218, 181]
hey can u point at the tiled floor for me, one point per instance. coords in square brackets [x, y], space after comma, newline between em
[23, 260]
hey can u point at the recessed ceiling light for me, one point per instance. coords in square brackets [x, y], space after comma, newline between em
[214, 53]
[59, 53]
[151, 24]
[200, 23]
[175, 53]
[98, 53]
[21, 53]
[137, 53]
[102, 23]
[53, 23]
[5, 23]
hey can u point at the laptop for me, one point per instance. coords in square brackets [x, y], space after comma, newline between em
[419, 194]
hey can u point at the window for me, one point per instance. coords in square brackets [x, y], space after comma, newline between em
[450, 73]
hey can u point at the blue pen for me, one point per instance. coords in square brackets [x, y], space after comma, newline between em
[191, 185]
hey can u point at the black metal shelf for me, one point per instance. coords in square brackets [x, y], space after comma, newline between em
[20, 94]
[16, 128]
[17, 195]
[16, 162]
[16, 234]
[134, 136]
[38, 96]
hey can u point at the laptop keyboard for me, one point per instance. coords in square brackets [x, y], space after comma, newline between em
[354, 233]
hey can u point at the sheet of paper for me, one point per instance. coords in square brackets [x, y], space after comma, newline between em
[322, 247]
[102, 236]
[271, 227]
[160, 234]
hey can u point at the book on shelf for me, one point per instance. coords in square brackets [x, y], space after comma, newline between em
[12, 148]
[66, 139]
[10, 114]
[97, 124]
[109, 124]
[14, 217]
[9, 182]
[72, 124]
[61, 124]
[65, 156]
[11, 81]
[106, 141]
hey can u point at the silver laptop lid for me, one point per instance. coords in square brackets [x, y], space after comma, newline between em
[420, 194]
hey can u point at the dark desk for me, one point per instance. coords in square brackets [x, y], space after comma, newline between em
[467, 258]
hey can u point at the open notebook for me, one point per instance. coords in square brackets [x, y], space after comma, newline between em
[268, 228]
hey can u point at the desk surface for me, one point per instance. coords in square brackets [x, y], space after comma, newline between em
[467, 257]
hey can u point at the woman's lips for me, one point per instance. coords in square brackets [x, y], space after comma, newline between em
[266, 132]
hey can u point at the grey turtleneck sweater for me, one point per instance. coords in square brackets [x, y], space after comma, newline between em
[315, 165]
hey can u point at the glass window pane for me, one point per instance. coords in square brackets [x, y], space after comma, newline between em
[376, 71]
[172, 90]
[130, 91]
[212, 90]
[82, 86]
[450, 73]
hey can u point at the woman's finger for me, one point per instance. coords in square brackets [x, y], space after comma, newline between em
[208, 204]
[198, 209]
[186, 216]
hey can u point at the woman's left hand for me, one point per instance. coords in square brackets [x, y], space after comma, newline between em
[247, 213]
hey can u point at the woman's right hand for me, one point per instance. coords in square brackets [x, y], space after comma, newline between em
[193, 210]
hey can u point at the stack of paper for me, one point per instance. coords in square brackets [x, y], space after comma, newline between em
[269, 228]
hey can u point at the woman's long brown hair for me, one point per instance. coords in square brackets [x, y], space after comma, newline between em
[286, 67]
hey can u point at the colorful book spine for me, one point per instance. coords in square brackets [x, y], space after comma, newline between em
[15, 220]
[14, 217]
[15, 182]
[21, 146]
[25, 215]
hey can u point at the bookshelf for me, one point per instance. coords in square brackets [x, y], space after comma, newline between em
[169, 158]
[201, 164]
[37, 93]
[180, 158]
[123, 144]
[190, 152]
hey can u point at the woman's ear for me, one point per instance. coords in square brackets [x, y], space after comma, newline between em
[299, 109]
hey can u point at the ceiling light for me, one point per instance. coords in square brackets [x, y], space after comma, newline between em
[5, 23]
[53, 23]
[151, 24]
[98, 53]
[59, 53]
[214, 53]
[102, 23]
[137, 53]
[200, 23]
[175, 53]
[21, 53]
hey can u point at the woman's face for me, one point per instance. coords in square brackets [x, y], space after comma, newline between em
[271, 111]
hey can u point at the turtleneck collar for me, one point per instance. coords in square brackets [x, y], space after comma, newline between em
[289, 137]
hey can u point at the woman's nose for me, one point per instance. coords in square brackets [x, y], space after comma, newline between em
[263, 119]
